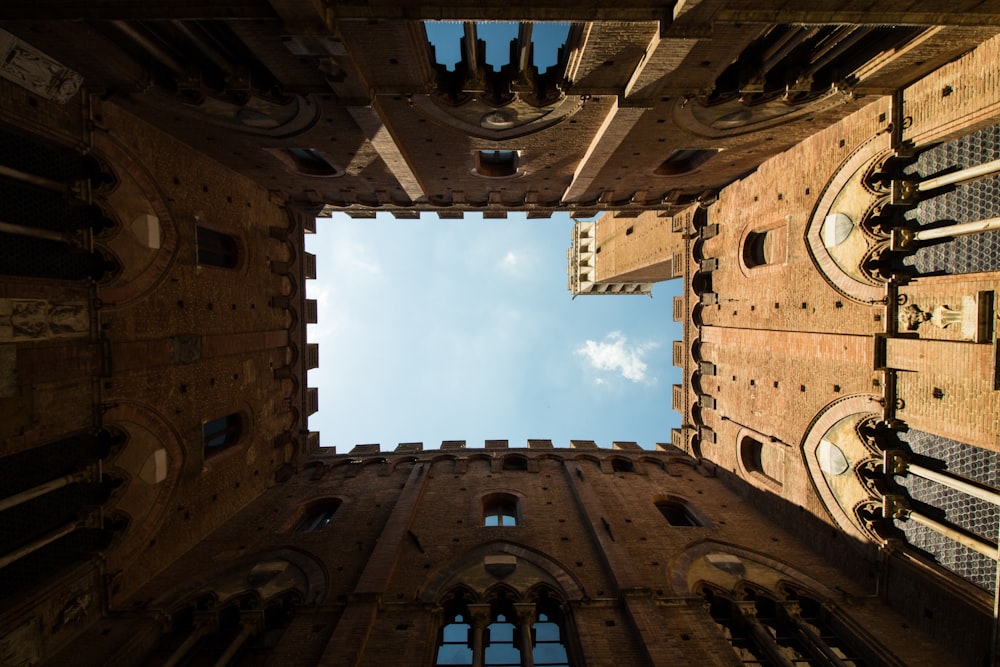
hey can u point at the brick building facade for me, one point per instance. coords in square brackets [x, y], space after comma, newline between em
[164, 503]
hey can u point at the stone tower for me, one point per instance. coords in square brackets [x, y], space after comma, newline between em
[618, 254]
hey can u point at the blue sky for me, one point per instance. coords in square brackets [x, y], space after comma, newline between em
[434, 330]
[446, 37]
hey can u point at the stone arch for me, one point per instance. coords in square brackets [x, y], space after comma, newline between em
[689, 506]
[849, 191]
[654, 463]
[501, 589]
[131, 287]
[454, 573]
[728, 565]
[258, 115]
[824, 421]
[515, 462]
[336, 501]
[404, 460]
[442, 464]
[589, 458]
[760, 461]
[310, 577]
[622, 464]
[133, 418]
[733, 119]
[764, 248]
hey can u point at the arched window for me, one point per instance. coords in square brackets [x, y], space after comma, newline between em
[503, 646]
[317, 516]
[683, 161]
[677, 513]
[548, 634]
[56, 514]
[455, 645]
[622, 465]
[795, 631]
[515, 463]
[503, 633]
[500, 509]
[309, 162]
[764, 248]
[216, 248]
[221, 433]
[496, 164]
[762, 461]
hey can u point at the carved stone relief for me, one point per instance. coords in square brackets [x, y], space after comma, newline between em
[31, 69]
[38, 319]
[967, 318]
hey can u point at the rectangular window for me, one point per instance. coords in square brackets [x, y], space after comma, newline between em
[216, 248]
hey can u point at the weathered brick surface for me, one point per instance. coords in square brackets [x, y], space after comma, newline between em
[637, 249]
[611, 541]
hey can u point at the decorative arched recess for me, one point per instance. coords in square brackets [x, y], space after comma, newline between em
[519, 120]
[144, 463]
[288, 568]
[764, 247]
[727, 566]
[137, 281]
[842, 493]
[840, 250]
[517, 566]
[761, 462]
[742, 574]
[256, 116]
[733, 118]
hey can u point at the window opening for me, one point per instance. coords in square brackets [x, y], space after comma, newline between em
[549, 650]
[216, 248]
[762, 248]
[500, 510]
[622, 465]
[455, 647]
[736, 631]
[500, 638]
[502, 644]
[515, 463]
[318, 517]
[498, 35]
[446, 39]
[547, 39]
[684, 160]
[676, 514]
[761, 460]
[221, 433]
[308, 161]
[496, 164]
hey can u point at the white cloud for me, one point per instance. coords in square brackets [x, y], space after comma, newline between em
[615, 354]
[351, 258]
[518, 263]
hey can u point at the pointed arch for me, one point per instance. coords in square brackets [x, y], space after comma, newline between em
[449, 575]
